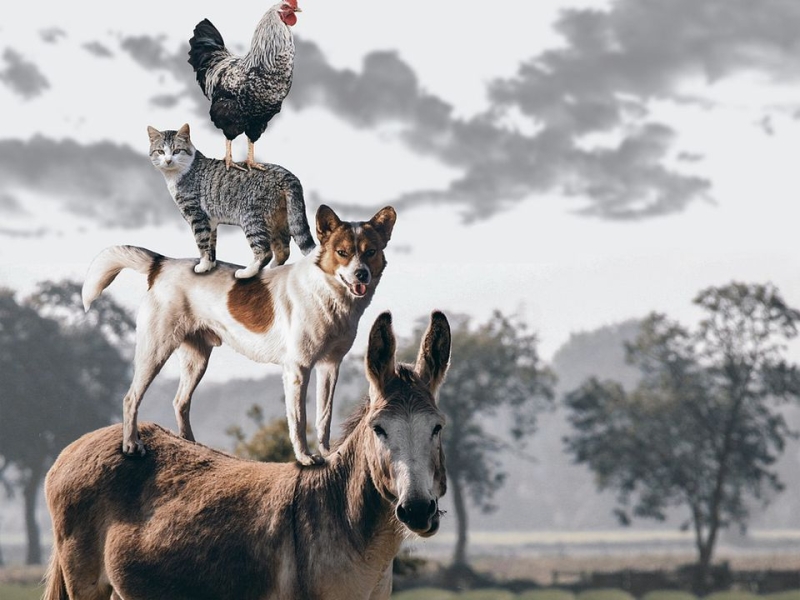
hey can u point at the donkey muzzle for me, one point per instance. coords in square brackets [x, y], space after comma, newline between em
[420, 516]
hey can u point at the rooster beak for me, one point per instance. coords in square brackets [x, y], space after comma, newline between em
[298, 9]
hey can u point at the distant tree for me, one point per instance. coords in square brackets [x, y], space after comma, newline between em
[702, 429]
[269, 443]
[494, 366]
[61, 378]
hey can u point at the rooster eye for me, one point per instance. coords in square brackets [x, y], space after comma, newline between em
[379, 431]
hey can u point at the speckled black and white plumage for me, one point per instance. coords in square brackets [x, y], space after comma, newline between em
[245, 91]
[267, 204]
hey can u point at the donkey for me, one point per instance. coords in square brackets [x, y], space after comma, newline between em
[186, 522]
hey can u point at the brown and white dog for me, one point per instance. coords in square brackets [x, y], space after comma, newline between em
[301, 316]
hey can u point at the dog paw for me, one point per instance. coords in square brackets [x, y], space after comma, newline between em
[133, 448]
[204, 266]
[308, 460]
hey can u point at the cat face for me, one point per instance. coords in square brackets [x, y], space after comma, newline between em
[171, 151]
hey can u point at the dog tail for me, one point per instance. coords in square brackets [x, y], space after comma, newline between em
[55, 588]
[298, 223]
[107, 265]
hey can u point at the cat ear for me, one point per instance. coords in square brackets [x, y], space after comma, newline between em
[154, 133]
[184, 130]
[327, 221]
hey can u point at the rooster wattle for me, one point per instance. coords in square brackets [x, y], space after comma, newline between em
[246, 91]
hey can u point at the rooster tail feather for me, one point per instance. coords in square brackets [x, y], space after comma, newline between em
[298, 223]
[205, 49]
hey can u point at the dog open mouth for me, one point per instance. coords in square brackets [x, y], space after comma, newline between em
[358, 289]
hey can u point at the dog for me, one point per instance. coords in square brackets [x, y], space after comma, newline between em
[302, 316]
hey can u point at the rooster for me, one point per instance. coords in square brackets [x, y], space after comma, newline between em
[246, 91]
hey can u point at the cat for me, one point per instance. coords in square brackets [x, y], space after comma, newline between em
[268, 205]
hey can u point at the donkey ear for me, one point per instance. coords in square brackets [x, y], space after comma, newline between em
[327, 222]
[383, 223]
[380, 352]
[434, 352]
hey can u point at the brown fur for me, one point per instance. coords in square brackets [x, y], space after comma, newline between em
[155, 270]
[188, 522]
[250, 303]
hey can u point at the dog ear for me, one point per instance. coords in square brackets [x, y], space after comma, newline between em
[383, 223]
[434, 352]
[380, 364]
[327, 222]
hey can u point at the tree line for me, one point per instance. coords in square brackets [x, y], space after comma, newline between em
[700, 431]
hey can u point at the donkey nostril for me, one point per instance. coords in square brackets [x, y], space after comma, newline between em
[432, 508]
[402, 513]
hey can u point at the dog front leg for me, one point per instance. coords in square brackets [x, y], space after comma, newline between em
[295, 385]
[327, 375]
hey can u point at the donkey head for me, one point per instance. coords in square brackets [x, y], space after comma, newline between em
[408, 468]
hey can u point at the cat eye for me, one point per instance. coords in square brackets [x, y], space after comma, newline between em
[159, 151]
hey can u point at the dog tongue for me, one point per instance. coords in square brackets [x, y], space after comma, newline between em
[360, 289]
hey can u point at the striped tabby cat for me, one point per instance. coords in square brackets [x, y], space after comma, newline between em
[268, 205]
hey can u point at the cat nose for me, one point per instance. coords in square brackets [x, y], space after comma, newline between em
[168, 160]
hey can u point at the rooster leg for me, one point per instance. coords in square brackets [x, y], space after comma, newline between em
[228, 159]
[251, 160]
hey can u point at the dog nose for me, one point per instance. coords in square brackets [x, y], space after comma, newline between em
[362, 275]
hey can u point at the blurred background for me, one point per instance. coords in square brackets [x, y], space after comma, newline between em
[601, 195]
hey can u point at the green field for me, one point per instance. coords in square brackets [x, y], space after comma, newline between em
[16, 591]
[13, 591]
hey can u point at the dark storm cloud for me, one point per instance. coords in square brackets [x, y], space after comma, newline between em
[104, 182]
[22, 76]
[537, 137]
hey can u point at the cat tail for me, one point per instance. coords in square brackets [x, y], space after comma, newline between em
[298, 223]
[108, 264]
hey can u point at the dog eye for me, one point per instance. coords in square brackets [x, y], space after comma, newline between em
[437, 430]
[379, 431]
[369, 253]
[342, 253]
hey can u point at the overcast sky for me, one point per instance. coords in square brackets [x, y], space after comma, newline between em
[579, 163]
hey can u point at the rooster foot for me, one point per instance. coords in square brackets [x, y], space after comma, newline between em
[229, 164]
[255, 165]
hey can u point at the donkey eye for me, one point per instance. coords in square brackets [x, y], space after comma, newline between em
[379, 431]
[437, 430]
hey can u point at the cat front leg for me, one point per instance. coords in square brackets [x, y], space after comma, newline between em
[205, 235]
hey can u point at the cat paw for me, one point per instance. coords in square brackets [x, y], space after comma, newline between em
[247, 273]
[204, 266]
